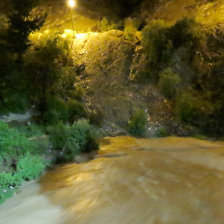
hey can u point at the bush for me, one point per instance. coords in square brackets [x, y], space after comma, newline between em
[75, 139]
[75, 110]
[10, 179]
[58, 136]
[12, 141]
[14, 102]
[96, 117]
[138, 123]
[162, 132]
[185, 31]
[161, 41]
[56, 110]
[169, 83]
[193, 109]
[47, 73]
[30, 166]
[156, 45]
[17, 164]
[186, 105]
[130, 28]
[31, 130]
[61, 110]
[106, 25]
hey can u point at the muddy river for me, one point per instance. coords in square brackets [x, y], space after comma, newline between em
[131, 181]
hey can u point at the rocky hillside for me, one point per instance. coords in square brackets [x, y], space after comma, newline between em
[205, 11]
[105, 62]
[107, 59]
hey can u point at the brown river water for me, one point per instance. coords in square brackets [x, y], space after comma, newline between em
[132, 181]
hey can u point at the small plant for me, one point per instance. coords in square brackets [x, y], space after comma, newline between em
[169, 83]
[162, 132]
[137, 124]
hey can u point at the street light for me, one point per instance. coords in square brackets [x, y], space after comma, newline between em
[72, 4]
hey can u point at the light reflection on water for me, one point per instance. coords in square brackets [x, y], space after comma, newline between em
[137, 181]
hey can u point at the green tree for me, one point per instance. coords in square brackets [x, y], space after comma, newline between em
[21, 24]
[13, 44]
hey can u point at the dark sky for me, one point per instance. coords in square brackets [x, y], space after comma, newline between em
[119, 8]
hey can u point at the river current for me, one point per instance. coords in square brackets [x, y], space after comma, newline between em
[131, 181]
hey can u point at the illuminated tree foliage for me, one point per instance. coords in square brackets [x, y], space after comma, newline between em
[13, 43]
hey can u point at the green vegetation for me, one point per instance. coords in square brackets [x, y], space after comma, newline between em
[60, 110]
[181, 60]
[20, 160]
[13, 44]
[106, 25]
[169, 83]
[23, 149]
[71, 140]
[160, 42]
[138, 123]
[130, 28]
[162, 132]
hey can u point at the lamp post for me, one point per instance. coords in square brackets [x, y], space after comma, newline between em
[72, 5]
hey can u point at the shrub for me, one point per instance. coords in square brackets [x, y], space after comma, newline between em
[130, 28]
[169, 83]
[162, 132]
[185, 31]
[137, 124]
[30, 166]
[10, 179]
[56, 110]
[156, 44]
[47, 73]
[161, 41]
[193, 109]
[106, 25]
[16, 161]
[30, 131]
[186, 107]
[12, 141]
[61, 110]
[75, 139]
[96, 117]
[58, 136]
[14, 102]
[75, 110]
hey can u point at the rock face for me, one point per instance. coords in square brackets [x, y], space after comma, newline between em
[105, 62]
[204, 11]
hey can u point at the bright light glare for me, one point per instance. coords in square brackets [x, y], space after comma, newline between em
[71, 3]
[80, 36]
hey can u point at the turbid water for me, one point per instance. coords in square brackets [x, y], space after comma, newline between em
[131, 181]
